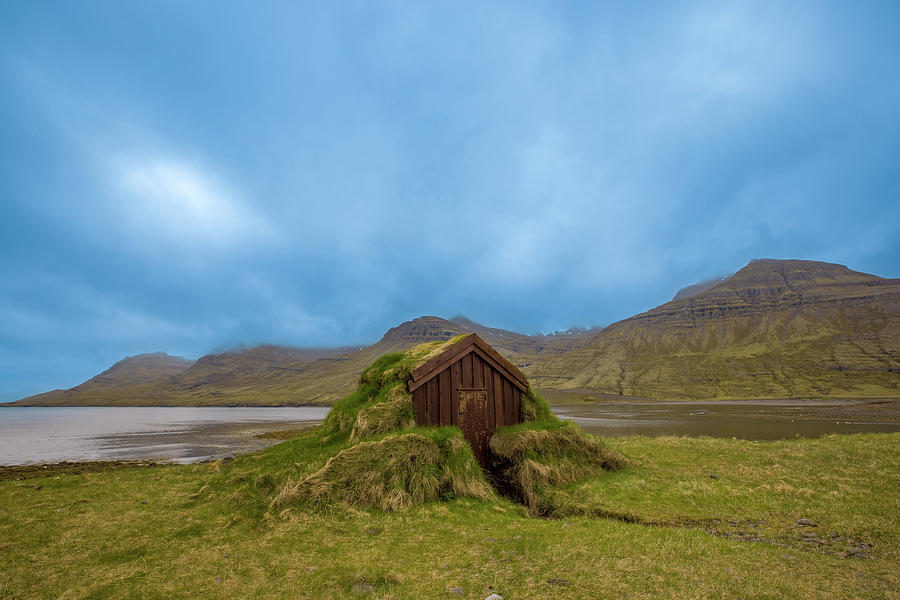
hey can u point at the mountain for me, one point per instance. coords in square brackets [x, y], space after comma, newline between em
[134, 372]
[774, 329]
[275, 375]
[234, 377]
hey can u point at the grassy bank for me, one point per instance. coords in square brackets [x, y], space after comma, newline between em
[688, 518]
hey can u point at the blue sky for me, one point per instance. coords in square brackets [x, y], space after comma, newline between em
[190, 176]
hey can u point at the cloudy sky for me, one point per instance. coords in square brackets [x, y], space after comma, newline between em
[191, 176]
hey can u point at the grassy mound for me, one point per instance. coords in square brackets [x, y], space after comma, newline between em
[394, 473]
[531, 458]
[381, 460]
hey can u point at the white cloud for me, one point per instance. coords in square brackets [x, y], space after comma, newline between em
[185, 203]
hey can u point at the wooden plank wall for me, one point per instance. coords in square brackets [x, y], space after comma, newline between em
[437, 401]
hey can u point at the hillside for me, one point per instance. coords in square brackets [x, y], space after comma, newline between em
[775, 329]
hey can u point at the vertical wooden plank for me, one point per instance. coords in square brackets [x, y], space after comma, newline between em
[477, 371]
[485, 371]
[455, 384]
[467, 380]
[444, 397]
[498, 399]
[434, 412]
[507, 402]
[517, 405]
[419, 405]
[484, 435]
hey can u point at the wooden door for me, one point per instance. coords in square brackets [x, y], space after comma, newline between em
[473, 422]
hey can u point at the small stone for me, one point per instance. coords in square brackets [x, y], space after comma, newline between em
[310, 569]
[490, 540]
[556, 581]
[855, 551]
[713, 476]
[372, 531]
[494, 597]
[807, 534]
[805, 523]
[218, 580]
[456, 590]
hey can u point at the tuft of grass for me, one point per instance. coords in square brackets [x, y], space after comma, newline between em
[393, 414]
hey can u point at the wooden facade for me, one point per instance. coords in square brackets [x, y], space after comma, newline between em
[472, 386]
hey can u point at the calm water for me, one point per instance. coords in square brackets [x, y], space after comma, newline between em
[38, 435]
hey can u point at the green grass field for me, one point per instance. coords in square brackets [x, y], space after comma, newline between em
[689, 518]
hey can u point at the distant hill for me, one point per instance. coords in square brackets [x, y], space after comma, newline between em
[775, 329]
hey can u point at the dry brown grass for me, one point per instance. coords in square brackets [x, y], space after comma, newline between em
[393, 474]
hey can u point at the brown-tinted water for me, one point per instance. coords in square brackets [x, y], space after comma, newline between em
[751, 420]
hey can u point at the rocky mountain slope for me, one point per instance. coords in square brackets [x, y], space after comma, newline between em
[775, 329]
